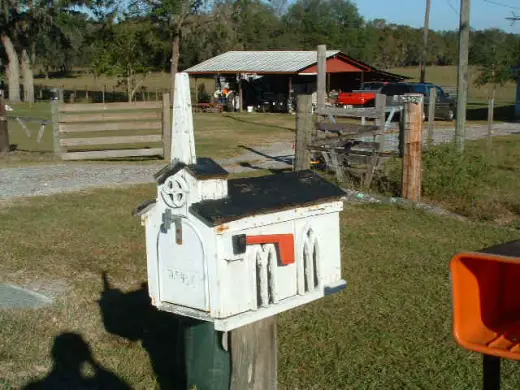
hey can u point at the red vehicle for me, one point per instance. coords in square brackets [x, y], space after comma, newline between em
[362, 97]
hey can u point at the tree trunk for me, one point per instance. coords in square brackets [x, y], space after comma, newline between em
[174, 61]
[12, 70]
[28, 78]
[129, 88]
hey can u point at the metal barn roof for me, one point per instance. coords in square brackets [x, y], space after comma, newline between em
[259, 62]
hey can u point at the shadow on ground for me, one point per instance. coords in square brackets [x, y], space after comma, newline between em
[480, 113]
[132, 316]
[75, 368]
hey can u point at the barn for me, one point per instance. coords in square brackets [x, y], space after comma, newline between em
[274, 77]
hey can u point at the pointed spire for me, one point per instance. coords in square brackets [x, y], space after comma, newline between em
[183, 141]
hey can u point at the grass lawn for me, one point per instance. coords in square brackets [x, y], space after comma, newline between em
[216, 135]
[389, 330]
[481, 184]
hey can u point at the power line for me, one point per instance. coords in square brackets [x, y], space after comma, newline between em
[501, 4]
[452, 7]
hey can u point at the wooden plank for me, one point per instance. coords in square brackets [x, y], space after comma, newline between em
[351, 112]
[55, 107]
[321, 93]
[336, 161]
[102, 154]
[102, 117]
[432, 101]
[167, 126]
[133, 139]
[367, 145]
[491, 109]
[381, 119]
[335, 141]
[254, 359]
[303, 132]
[4, 131]
[92, 107]
[342, 128]
[82, 127]
[412, 158]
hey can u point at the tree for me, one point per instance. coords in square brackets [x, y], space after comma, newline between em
[126, 52]
[178, 16]
[8, 24]
[497, 54]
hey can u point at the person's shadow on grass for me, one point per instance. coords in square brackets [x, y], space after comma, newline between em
[132, 316]
[75, 368]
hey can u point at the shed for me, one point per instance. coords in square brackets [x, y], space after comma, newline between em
[287, 73]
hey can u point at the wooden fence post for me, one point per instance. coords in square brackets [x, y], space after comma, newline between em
[432, 101]
[254, 356]
[321, 93]
[4, 130]
[167, 127]
[491, 108]
[55, 105]
[240, 94]
[304, 127]
[381, 120]
[412, 151]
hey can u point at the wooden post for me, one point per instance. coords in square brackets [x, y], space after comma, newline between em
[412, 153]
[61, 94]
[422, 65]
[196, 91]
[167, 126]
[381, 120]
[304, 128]
[290, 107]
[322, 78]
[491, 108]
[55, 106]
[86, 93]
[103, 94]
[254, 356]
[462, 77]
[4, 130]
[432, 101]
[240, 97]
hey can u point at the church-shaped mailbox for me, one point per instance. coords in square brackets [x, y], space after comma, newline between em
[239, 250]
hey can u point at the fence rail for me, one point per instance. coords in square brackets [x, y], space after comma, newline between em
[111, 130]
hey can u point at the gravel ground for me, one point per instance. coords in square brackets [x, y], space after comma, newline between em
[51, 179]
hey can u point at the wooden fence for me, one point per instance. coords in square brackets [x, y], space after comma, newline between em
[112, 130]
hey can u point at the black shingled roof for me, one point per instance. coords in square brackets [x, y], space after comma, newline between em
[267, 194]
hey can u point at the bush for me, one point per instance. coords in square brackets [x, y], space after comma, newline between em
[449, 174]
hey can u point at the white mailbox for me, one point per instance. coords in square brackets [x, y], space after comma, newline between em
[240, 250]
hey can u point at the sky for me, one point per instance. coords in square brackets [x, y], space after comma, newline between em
[444, 13]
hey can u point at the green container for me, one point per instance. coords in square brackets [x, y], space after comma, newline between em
[208, 366]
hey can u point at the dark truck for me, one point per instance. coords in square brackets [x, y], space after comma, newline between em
[445, 106]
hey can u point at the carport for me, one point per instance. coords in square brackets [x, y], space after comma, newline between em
[260, 76]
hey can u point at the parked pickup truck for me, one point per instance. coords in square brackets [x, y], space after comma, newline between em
[363, 97]
[445, 105]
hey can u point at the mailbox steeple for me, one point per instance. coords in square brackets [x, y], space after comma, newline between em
[183, 141]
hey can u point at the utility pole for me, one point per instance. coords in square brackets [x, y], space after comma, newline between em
[462, 82]
[425, 41]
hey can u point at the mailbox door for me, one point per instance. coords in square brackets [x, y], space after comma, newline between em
[182, 273]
